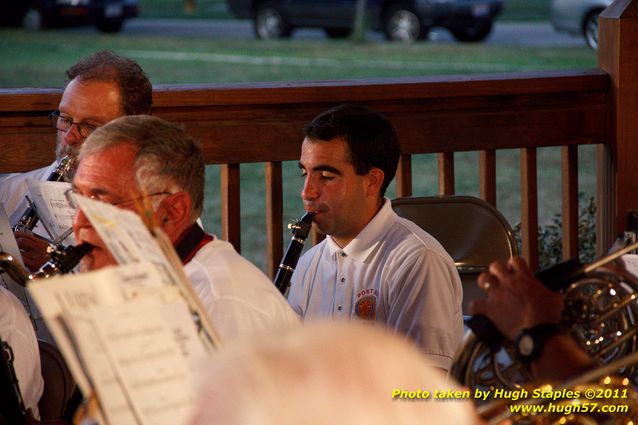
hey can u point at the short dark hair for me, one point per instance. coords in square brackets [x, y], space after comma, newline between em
[136, 90]
[370, 137]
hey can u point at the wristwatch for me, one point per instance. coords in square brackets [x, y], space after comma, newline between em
[529, 342]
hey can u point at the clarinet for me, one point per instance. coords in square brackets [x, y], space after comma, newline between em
[62, 261]
[300, 232]
[30, 217]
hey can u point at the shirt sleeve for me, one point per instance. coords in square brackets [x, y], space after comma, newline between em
[425, 305]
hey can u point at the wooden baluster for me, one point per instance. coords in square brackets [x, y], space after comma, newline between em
[231, 211]
[446, 173]
[274, 217]
[569, 172]
[487, 175]
[404, 176]
[529, 207]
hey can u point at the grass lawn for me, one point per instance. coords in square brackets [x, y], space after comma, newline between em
[39, 58]
[514, 10]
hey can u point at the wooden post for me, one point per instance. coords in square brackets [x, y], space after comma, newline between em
[618, 57]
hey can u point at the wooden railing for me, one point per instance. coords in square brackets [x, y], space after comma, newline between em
[247, 123]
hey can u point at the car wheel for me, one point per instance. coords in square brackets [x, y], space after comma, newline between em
[270, 23]
[402, 24]
[338, 32]
[110, 25]
[590, 29]
[477, 32]
[33, 20]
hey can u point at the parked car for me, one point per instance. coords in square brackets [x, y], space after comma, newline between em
[400, 20]
[107, 15]
[578, 17]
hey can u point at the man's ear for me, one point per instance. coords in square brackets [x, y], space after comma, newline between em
[174, 214]
[375, 180]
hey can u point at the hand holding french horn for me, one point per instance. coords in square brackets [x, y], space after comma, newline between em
[516, 299]
[595, 305]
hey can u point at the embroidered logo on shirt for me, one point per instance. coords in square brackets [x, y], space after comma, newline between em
[366, 307]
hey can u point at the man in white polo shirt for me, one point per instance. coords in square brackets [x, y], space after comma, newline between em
[373, 265]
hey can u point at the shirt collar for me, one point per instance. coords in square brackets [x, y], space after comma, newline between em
[367, 240]
[191, 241]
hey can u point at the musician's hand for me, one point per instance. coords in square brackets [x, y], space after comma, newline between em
[515, 298]
[32, 248]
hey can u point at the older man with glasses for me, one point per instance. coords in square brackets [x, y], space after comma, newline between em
[137, 157]
[99, 88]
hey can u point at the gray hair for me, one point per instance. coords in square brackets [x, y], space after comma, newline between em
[324, 373]
[167, 159]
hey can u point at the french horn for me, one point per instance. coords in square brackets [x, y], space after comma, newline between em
[600, 311]
[598, 396]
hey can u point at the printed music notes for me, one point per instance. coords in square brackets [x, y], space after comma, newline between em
[56, 215]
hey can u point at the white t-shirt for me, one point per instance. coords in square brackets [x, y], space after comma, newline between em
[17, 331]
[394, 273]
[239, 298]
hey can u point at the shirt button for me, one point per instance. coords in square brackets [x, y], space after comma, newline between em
[343, 279]
[339, 308]
[343, 254]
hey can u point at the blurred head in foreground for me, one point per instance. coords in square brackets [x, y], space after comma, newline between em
[324, 373]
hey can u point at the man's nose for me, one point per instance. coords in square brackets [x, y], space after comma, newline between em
[309, 190]
[80, 222]
[72, 136]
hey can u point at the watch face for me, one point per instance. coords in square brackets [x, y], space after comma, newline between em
[526, 345]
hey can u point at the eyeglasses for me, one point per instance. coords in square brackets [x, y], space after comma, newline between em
[68, 194]
[64, 124]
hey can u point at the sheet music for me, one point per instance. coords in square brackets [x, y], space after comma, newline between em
[129, 240]
[143, 309]
[8, 242]
[101, 378]
[153, 348]
[66, 301]
[55, 213]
